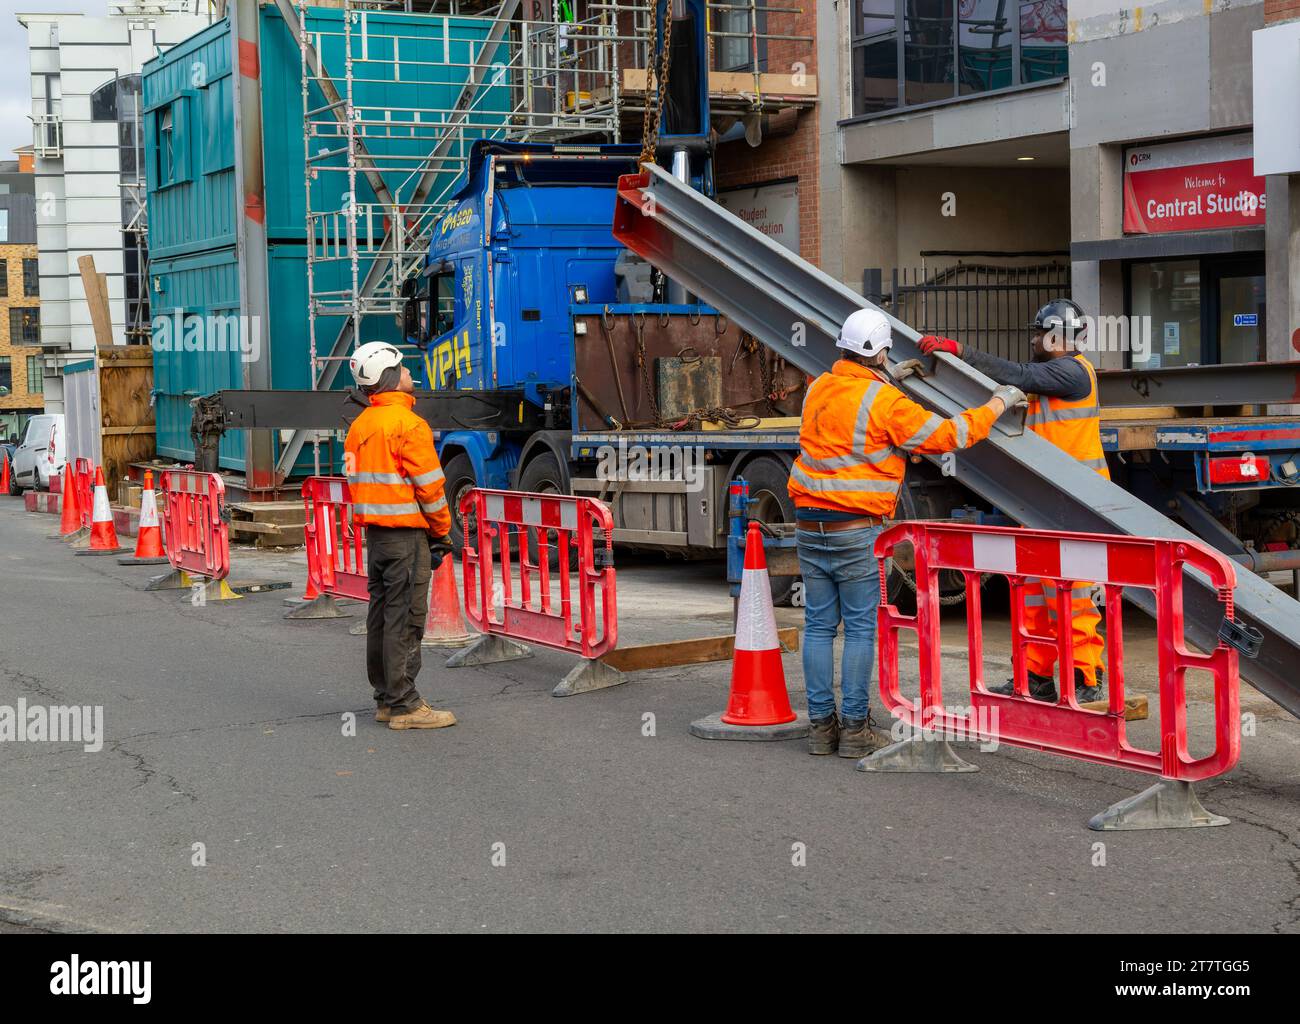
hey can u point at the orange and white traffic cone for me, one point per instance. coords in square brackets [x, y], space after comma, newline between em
[4, 474]
[759, 706]
[103, 535]
[70, 521]
[148, 538]
[444, 626]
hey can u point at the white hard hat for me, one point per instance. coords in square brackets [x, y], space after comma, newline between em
[865, 332]
[370, 361]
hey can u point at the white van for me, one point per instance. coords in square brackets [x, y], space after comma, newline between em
[41, 452]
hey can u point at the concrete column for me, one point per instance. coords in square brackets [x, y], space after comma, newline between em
[1282, 267]
[834, 101]
[868, 215]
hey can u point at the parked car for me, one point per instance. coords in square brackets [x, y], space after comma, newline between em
[41, 453]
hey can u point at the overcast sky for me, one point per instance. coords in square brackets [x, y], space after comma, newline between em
[15, 83]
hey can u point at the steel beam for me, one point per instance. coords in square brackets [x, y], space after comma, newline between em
[504, 410]
[796, 310]
[1237, 384]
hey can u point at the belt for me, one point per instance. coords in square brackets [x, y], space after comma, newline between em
[863, 523]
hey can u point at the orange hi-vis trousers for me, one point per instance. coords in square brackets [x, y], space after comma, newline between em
[1040, 620]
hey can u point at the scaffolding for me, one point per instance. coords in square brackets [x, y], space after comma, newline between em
[523, 78]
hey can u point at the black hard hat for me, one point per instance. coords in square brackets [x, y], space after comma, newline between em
[1059, 313]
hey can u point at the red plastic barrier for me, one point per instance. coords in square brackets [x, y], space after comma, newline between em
[195, 531]
[336, 557]
[570, 609]
[1063, 558]
[83, 479]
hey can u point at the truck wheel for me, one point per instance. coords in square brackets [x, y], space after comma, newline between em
[545, 475]
[459, 472]
[767, 489]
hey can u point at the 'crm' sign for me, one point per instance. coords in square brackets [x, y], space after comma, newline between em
[1191, 186]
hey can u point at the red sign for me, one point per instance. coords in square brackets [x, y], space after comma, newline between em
[1176, 188]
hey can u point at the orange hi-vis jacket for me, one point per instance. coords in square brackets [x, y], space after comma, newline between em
[1074, 427]
[855, 436]
[393, 469]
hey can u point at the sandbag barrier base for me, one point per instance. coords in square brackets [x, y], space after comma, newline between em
[588, 675]
[321, 607]
[1167, 804]
[916, 754]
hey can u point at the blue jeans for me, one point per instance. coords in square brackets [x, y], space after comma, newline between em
[841, 581]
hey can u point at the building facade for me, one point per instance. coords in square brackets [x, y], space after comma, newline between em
[989, 153]
[21, 378]
[88, 149]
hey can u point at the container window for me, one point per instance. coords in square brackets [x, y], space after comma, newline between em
[218, 127]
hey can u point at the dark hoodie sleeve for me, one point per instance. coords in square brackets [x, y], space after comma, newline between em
[1056, 378]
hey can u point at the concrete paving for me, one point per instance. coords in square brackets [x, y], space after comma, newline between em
[225, 726]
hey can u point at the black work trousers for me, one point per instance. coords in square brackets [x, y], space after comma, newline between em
[397, 560]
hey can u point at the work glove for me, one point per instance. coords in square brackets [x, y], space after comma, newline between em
[932, 343]
[1012, 397]
[439, 548]
[908, 367]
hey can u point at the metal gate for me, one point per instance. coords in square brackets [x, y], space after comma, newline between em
[981, 299]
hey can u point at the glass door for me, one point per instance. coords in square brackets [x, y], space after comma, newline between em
[1237, 310]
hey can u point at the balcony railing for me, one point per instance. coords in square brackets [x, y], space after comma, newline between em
[47, 135]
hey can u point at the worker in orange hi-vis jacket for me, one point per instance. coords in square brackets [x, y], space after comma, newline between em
[1064, 408]
[398, 495]
[857, 432]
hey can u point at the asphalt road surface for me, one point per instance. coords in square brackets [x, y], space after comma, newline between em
[224, 726]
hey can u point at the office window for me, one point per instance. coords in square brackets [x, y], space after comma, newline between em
[25, 326]
[103, 102]
[31, 278]
[6, 375]
[35, 376]
[4, 225]
[984, 35]
[4, 274]
[1043, 43]
[928, 52]
[736, 49]
[911, 52]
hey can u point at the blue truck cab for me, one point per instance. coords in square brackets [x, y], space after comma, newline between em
[528, 236]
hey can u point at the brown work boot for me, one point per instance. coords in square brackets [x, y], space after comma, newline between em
[422, 717]
[858, 737]
[383, 713]
[823, 735]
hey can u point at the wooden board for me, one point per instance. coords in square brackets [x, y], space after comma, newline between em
[739, 83]
[126, 420]
[686, 652]
[271, 523]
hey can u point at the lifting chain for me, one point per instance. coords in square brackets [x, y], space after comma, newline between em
[660, 68]
[643, 364]
[945, 600]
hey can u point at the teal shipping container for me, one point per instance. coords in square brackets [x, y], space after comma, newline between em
[192, 194]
